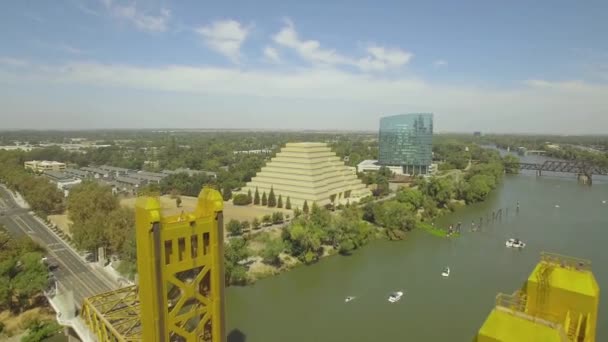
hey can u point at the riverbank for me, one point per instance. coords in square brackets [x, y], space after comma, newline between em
[415, 208]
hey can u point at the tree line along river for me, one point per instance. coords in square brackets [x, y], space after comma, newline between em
[307, 303]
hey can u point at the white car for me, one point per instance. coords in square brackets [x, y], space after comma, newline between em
[515, 243]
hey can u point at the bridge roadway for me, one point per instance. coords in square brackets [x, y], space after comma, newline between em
[73, 272]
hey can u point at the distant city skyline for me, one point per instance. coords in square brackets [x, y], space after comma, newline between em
[517, 67]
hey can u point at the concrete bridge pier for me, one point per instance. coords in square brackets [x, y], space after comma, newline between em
[539, 173]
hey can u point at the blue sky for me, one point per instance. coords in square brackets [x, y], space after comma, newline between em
[538, 66]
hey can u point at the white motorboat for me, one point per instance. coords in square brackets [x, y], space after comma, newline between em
[395, 296]
[604, 202]
[557, 205]
[446, 272]
[348, 299]
[515, 243]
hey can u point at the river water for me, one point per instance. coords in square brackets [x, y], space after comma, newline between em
[307, 303]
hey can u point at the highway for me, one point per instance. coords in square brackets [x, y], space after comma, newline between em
[73, 272]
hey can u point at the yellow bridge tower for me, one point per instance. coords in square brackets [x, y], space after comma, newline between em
[558, 303]
[180, 297]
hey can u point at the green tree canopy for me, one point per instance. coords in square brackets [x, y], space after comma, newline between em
[280, 202]
[235, 227]
[411, 196]
[272, 200]
[264, 198]
[288, 203]
[256, 198]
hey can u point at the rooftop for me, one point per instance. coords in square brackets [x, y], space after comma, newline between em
[572, 277]
[368, 162]
[57, 175]
[503, 325]
[128, 180]
[306, 144]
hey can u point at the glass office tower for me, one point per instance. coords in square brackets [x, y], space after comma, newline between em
[407, 140]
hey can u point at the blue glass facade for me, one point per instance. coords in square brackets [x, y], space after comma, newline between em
[407, 140]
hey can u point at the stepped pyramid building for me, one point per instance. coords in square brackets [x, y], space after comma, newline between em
[308, 172]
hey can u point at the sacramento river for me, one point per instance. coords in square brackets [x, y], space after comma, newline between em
[307, 303]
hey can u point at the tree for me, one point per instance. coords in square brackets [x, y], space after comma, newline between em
[245, 225]
[411, 196]
[511, 163]
[235, 251]
[271, 252]
[272, 200]
[319, 216]
[40, 331]
[255, 224]
[267, 220]
[235, 227]
[280, 202]
[227, 193]
[249, 197]
[256, 198]
[396, 217]
[305, 207]
[440, 189]
[277, 217]
[119, 226]
[240, 199]
[479, 187]
[346, 246]
[264, 198]
[288, 203]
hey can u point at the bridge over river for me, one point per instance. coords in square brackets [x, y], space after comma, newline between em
[582, 169]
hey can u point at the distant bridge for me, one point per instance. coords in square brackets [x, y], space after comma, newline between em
[584, 170]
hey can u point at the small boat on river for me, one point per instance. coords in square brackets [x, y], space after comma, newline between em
[395, 296]
[515, 243]
[348, 299]
[446, 272]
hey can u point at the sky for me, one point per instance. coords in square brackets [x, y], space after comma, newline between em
[491, 66]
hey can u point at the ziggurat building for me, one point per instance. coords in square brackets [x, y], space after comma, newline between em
[308, 172]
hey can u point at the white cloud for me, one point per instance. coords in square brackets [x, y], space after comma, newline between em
[272, 54]
[542, 106]
[142, 21]
[308, 49]
[440, 63]
[379, 58]
[384, 58]
[225, 37]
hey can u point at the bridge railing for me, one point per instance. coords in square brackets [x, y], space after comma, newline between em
[566, 261]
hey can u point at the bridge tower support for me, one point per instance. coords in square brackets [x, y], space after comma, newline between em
[181, 276]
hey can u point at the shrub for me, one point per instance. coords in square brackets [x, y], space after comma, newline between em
[240, 199]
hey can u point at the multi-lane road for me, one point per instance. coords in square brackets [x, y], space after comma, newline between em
[73, 272]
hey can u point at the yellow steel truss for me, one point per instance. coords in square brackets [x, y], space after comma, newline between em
[114, 316]
[180, 297]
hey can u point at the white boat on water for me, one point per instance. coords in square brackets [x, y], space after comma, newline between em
[604, 202]
[515, 243]
[557, 205]
[395, 296]
[446, 272]
[348, 299]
